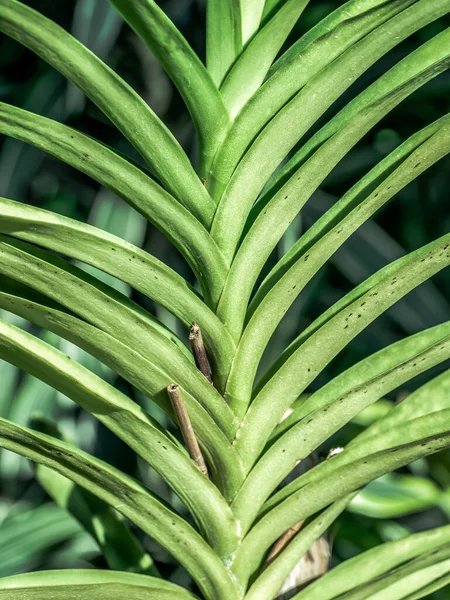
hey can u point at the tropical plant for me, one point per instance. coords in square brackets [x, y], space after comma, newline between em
[263, 150]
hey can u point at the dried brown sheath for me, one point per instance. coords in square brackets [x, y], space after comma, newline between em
[199, 352]
[186, 427]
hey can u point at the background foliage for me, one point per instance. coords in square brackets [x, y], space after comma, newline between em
[34, 533]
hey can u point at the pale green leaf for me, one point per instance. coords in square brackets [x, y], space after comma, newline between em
[374, 563]
[184, 68]
[133, 367]
[223, 36]
[129, 422]
[345, 218]
[347, 472]
[120, 547]
[87, 584]
[113, 313]
[292, 99]
[250, 69]
[112, 95]
[131, 499]
[414, 71]
[128, 182]
[126, 262]
[329, 409]
[271, 579]
[303, 365]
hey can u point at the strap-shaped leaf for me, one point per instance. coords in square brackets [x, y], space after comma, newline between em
[303, 365]
[410, 74]
[128, 182]
[133, 367]
[120, 547]
[250, 69]
[290, 101]
[110, 253]
[223, 36]
[375, 562]
[430, 397]
[424, 436]
[429, 589]
[113, 313]
[335, 405]
[129, 498]
[436, 394]
[404, 580]
[251, 14]
[365, 186]
[355, 208]
[83, 584]
[130, 423]
[184, 68]
[271, 579]
[110, 93]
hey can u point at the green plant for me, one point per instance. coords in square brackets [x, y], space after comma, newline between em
[225, 218]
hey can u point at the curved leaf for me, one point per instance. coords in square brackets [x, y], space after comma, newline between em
[271, 579]
[337, 403]
[110, 93]
[139, 371]
[436, 394]
[223, 36]
[130, 423]
[251, 13]
[184, 68]
[404, 580]
[359, 207]
[306, 362]
[414, 71]
[113, 313]
[248, 72]
[128, 182]
[374, 563]
[129, 498]
[109, 253]
[291, 101]
[424, 436]
[85, 584]
[120, 547]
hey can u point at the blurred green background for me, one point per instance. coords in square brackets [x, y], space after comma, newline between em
[34, 533]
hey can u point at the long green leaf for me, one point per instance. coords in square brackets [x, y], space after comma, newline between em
[419, 67]
[113, 313]
[293, 98]
[430, 397]
[305, 363]
[110, 93]
[335, 405]
[339, 210]
[271, 579]
[110, 254]
[424, 436]
[436, 394]
[129, 498]
[87, 584]
[355, 208]
[129, 422]
[133, 367]
[120, 547]
[128, 182]
[251, 13]
[404, 580]
[250, 69]
[184, 68]
[374, 563]
[223, 36]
